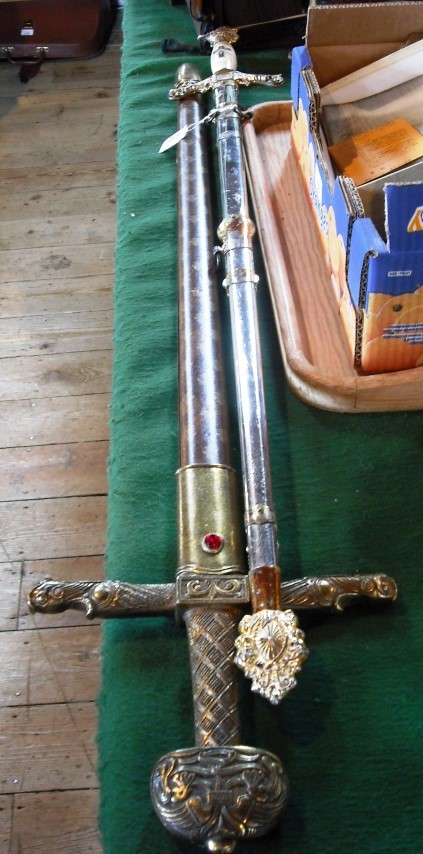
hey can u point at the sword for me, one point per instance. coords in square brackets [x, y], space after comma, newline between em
[220, 790]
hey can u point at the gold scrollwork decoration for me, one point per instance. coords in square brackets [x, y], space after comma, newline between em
[210, 589]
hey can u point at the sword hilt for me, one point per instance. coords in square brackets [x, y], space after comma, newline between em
[223, 60]
[219, 791]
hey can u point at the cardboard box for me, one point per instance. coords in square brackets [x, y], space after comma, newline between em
[372, 235]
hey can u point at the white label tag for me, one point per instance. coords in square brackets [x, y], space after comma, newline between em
[180, 134]
[174, 139]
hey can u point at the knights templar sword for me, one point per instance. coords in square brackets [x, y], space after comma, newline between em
[220, 790]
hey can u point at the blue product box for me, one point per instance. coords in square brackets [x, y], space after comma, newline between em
[372, 236]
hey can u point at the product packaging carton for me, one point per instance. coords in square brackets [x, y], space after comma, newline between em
[357, 128]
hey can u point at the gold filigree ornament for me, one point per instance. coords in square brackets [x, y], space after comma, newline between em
[270, 651]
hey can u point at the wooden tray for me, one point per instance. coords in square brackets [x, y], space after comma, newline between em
[317, 360]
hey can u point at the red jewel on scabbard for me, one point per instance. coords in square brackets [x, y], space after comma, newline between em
[212, 543]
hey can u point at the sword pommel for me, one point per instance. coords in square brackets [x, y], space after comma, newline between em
[218, 795]
[225, 35]
[187, 71]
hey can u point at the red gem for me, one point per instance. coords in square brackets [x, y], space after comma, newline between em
[212, 543]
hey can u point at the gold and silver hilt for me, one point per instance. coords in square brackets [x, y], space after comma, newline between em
[219, 791]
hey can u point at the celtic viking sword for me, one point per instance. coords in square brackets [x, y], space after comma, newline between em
[219, 790]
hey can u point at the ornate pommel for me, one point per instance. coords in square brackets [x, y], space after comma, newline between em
[223, 35]
[187, 72]
[219, 795]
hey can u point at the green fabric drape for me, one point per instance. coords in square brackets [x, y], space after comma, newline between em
[348, 492]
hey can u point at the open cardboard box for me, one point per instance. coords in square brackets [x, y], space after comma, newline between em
[376, 268]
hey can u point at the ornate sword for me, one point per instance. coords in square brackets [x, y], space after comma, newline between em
[219, 791]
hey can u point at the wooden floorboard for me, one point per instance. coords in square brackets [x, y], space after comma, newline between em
[42, 297]
[49, 421]
[42, 735]
[53, 262]
[56, 375]
[57, 238]
[11, 580]
[77, 229]
[59, 177]
[57, 202]
[66, 332]
[53, 471]
[54, 527]
[54, 823]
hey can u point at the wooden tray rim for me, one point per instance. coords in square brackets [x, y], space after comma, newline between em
[397, 390]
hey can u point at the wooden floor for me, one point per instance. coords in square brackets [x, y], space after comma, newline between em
[57, 232]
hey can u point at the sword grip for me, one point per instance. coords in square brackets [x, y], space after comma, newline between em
[219, 791]
[211, 639]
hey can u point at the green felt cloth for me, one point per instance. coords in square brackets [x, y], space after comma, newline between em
[348, 492]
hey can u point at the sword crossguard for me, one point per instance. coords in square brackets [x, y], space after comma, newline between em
[199, 87]
[109, 599]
